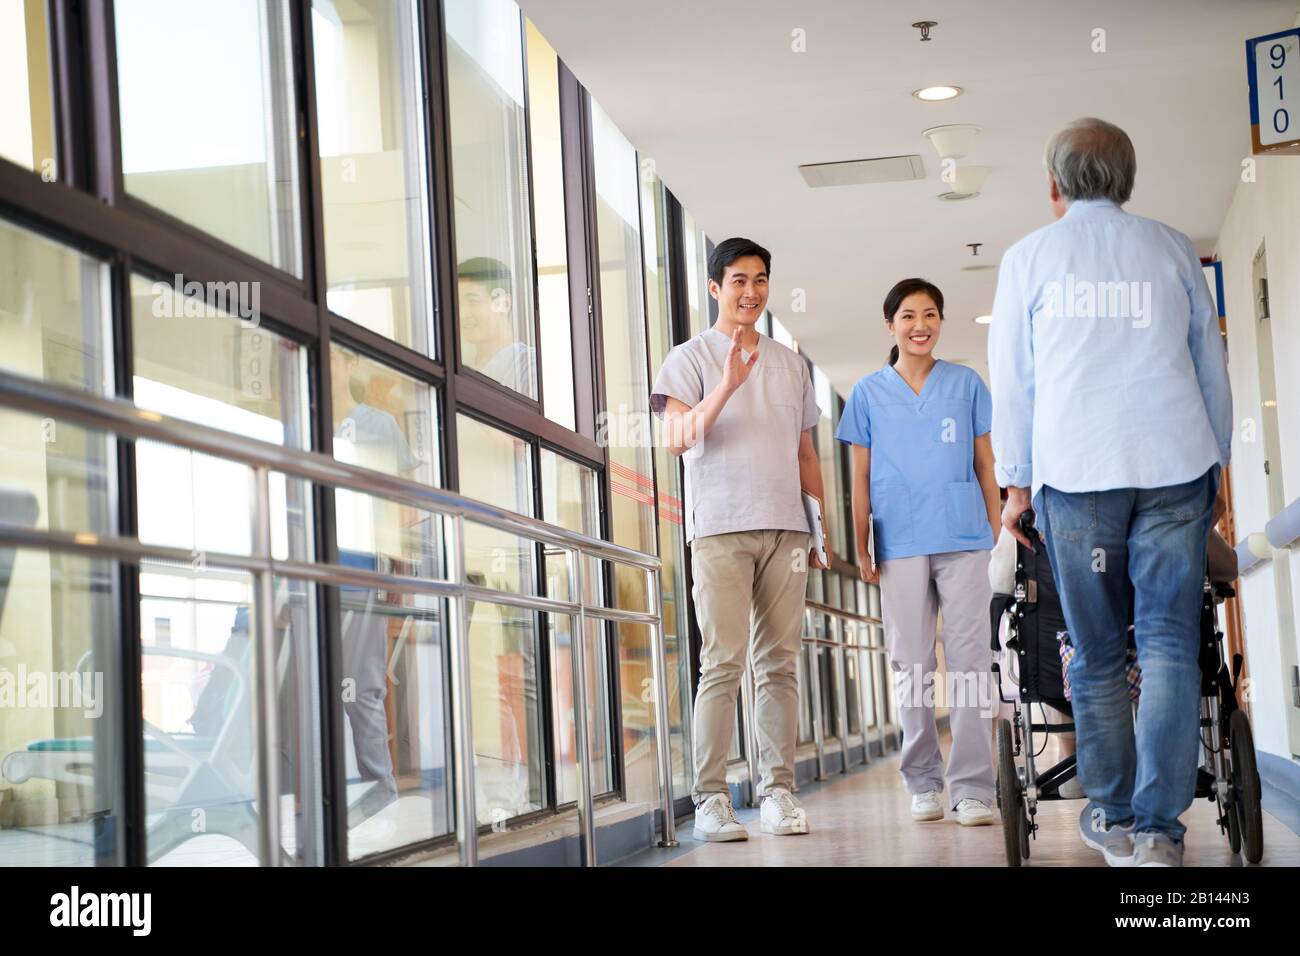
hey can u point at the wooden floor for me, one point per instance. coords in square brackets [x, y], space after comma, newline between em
[862, 819]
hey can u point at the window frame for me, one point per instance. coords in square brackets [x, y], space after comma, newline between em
[88, 209]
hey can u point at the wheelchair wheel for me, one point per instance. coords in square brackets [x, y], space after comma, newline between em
[1009, 802]
[1246, 787]
[1229, 814]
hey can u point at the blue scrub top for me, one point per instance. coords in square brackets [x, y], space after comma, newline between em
[925, 498]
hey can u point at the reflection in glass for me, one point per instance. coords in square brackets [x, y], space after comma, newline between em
[510, 760]
[700, 304]
[498, 469]
[737, 750]
[622, 305]
[60, 690]
[369, 95]
[383, 419]
[805, 698]
[53, 311]
[196, 362]
[394, 701]
[852, 684]
[26, 109]
[627, 399]
[636, 677]
[829, 457]
[494, 238]
[830, 718]
[53, 322]
[548, 212]
[672, 541]
[570, 499]
[868, 671]
[886, 685]
[197, 684]
[198, 620]
[394, 749]
[60, 696]
[213, 142]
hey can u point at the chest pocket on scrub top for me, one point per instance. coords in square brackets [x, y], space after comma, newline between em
[949, 423]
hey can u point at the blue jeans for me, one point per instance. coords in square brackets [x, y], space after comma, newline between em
[1142, 548]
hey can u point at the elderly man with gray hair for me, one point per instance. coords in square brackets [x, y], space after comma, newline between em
[1112, 418]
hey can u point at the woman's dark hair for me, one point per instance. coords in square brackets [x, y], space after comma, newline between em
[900, 291]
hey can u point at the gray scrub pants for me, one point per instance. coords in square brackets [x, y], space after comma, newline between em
[365, 658]
[912, 592]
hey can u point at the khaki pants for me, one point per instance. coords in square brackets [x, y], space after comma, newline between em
[748, 585]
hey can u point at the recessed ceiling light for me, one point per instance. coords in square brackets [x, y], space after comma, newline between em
[934, 93]
[983, 319]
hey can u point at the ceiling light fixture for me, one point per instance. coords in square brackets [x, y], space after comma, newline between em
[966, 182]
[933, 94]
[983, 319]
[954, 141]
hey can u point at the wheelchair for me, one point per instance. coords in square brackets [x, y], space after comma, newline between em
[1227, 777]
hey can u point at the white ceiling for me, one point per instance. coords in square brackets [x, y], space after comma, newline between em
[712, 91]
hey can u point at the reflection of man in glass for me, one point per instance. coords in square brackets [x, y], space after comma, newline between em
[486, 322]
[368, 533]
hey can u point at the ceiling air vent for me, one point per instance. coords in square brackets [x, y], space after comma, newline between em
[859, 172]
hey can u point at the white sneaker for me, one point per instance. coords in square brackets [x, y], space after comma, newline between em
[926, 806]
[715, 821]
[974, 813]
[781, 814]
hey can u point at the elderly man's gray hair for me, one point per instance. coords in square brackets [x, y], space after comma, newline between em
[1092, 159]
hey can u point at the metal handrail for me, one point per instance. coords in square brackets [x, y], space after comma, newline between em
[748, 694]
[125, 419]
[821, 608]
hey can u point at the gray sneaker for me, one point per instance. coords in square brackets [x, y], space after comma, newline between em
[1114, 842]
[1156, 849]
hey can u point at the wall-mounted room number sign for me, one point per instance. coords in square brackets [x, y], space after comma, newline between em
[1273, 65]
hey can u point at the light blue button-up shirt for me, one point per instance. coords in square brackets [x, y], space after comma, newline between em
[1105, 360]
[925, 497]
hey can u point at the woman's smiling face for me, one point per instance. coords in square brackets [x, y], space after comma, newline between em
[916, 325]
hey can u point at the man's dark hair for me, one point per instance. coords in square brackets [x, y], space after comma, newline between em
[900, 291]
[729, 250]
[493, 273]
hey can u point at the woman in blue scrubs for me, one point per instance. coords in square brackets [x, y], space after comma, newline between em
[923, 485]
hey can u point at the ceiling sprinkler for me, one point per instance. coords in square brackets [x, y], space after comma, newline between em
[924, 27]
